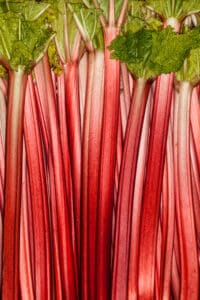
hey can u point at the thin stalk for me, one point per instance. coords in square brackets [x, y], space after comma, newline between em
[13, 183]
[74, 130]
[2, 148]
[85, 168]
[195, 123]
[195, 187]
[126, 87]
[126, 188]
[41, 97]
[27, 279]
[175, 279]
[111, 13]
[185, 215]
[168, 220]
[82, 87]
[153, 185]
[122, 14]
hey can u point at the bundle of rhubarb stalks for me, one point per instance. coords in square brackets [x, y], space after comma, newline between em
[99, 150]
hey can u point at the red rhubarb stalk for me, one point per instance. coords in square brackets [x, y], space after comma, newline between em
[126, 188]
[195, 123]
[90, 163]
[107, 170]
[2, 144]
[195, 187]
[72, 103]
[65, 150]
[13, 180]
[85, 179]
[26, 255]
[125, 97]
[168, 219]
[42, 107]
[60, 210]
[137, 203]
[184, 204]
[153, 185]
[38, 189]
[96, 115]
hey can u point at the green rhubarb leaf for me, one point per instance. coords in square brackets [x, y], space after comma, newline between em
[174, 8]
[149, 53]
[134, 24]
[29, 8]
[33, 11]
[22, 42]
[133, 48]
[169, 49]
[138, 18]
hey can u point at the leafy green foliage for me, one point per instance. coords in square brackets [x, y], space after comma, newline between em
[22, 42]
[139, 18]
[174, 8]
[30, 9]
[149, 53]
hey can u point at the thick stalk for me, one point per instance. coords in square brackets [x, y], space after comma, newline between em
[13, 182]
[60, 209]
[65, 151]
[94, 159]
[74, 131]
[137, 203]
[91, 158]
[185, 215]
[38, 189]
[126, 188]
[107, 170]
[153, 185]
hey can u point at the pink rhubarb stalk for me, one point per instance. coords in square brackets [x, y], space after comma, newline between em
[39, 199]
[107, 170]
[184, 204]
[13, 183]
[126, 188]
[72, 103]
[153, 185]
[90, 167]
